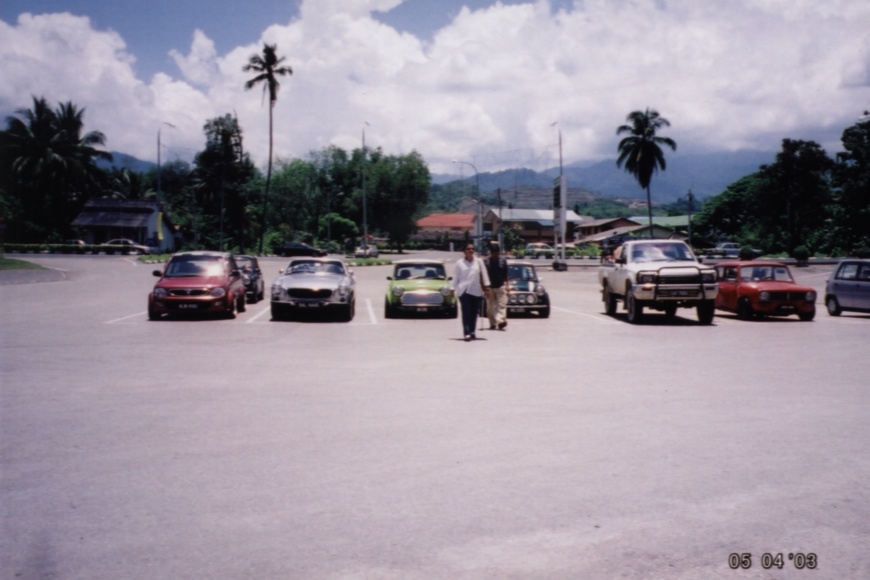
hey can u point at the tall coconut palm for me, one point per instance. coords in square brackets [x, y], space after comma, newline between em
[268, 68]
[640, 151]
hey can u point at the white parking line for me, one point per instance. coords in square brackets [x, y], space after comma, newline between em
[599, 318]
[127, 317]
[371, 309]
[259, 314]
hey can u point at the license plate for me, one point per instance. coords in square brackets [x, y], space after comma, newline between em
[787, 307]
[422, 309]
[188, 306]
[680, 293]
[309, 305]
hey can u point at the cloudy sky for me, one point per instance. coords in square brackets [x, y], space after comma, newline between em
[475, 80]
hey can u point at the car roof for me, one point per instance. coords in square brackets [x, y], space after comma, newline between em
[323, 259]
[204, 253]
[751, 263]
[520, 263]
[424, 262]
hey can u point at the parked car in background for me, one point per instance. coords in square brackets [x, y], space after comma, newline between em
[74, 242]
[128, 246]
[526, 294]
[198, 283]
[314, 284]
[756, 289]
[419, 286]
[731, 250]
[848, 288]
[537, 250]
[367, 252]
[290, 249]
[252, 277]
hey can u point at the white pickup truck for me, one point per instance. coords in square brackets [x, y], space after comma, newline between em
[659, 274]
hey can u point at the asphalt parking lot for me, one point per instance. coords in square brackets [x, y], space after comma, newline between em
[578, 446]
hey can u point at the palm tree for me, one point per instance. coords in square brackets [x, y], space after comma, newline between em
[268, 68]
[640, 151]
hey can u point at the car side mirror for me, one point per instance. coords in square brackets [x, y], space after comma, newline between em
[389, 277]
[620, 260]
[157, 273]
[449, 278]
[280, 271]
[235, 274]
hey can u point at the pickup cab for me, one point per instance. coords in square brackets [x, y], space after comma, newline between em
[661, 275]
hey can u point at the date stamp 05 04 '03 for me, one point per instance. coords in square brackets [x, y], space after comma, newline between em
[799, 560]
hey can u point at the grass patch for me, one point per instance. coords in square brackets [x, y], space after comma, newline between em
[368, 262]
[12, 264]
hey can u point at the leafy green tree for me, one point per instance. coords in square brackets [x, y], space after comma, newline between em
[398, 189]
[220, 178]
[731, 215]
[52, 169]
[640, 152]
[793, 202]
[268, 68]
[848, 230]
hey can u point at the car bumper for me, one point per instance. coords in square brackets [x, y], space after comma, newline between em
[190, 305]
[649, 293]
[519, 302]
[782, 308]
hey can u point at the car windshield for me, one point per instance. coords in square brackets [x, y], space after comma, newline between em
[516, 272]
[420, 272]
[245, 263]
[314, 267]
[195, 266]
[765, 274]
[661, 251]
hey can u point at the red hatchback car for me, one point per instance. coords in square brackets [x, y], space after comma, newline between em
[763, 288]
[198, 283]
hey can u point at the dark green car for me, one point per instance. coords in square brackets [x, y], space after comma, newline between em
[420, 287]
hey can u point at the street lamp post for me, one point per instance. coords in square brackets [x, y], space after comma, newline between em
[365, 241]
[159, 195]
[477, 190]
[691, 199]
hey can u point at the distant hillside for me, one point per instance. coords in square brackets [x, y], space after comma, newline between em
[124, 161]
[707, 175]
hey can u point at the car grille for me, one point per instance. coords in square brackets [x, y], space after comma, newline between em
[188, 292]
[788, 296]
[421, 298]
[696, 279]
[309, 294]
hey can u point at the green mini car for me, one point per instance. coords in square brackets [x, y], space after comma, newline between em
[418, 287]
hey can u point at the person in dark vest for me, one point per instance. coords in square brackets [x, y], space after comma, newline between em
[496, 304]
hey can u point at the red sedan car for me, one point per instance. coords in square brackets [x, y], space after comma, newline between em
[198, 283]
[763, 288]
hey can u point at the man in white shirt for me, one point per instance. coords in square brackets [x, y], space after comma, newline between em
[471, 282]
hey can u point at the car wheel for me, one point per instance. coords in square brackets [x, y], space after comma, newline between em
[277, 313]
[231, 309]
[348, 311]
[807, 316]
[153, 314]
[609, 301]
[744, 310]
[389, 312]
[833, 306]
[453, 312]
[544, 312]
[634, 311]
[241, 306]
[262, 293]
[706, 311]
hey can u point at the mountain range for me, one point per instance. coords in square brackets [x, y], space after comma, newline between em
[706, 175]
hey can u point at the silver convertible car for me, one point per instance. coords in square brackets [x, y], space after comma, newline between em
[314, 284]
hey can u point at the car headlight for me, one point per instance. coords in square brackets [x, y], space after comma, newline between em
[343, 290]
[811, 296]
[160, 293]
[764, 296]
[540, 291]
[646, 277]
[531, 299]
[446, 291]
[217, 292]
[708, 277]
[398, 291]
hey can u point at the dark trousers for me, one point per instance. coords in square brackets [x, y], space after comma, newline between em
[470, 305]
